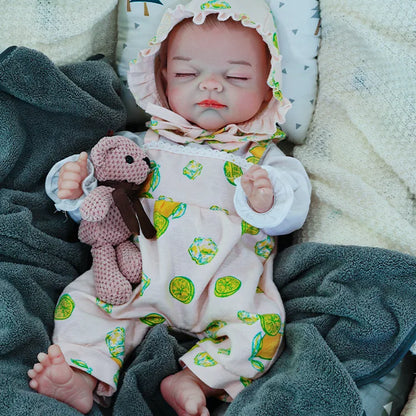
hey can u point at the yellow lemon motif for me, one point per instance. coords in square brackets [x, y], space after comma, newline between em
[271, 323]
[247, 228]
[247, 317]
[153, 319]
[264, 248]
[203, 359]
[269, 346]
[182, 289]
[215, 4]
[107, 307]
[245, 381]
[203, 250]
[83, 365]
[232, 172]
[115, 341]
[165, 208]
[64, 308]
[257, 153]
[212, 329]
[145, 283]
[152, 180]
[226, 286]
[192, 170]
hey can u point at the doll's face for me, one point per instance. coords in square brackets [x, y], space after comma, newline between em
[216, 74]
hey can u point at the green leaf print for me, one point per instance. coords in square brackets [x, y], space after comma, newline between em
[247, 317]
[83, 365]
[203, 359]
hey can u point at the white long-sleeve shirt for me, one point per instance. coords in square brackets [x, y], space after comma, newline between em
[292, 190]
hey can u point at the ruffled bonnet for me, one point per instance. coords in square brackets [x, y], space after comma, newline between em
[252, 14]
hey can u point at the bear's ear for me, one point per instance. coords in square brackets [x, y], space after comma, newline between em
[100, 150]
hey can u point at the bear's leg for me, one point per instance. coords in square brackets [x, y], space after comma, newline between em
[130, 261]
[112, 287]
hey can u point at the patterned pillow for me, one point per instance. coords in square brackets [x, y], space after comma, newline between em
[297, 23]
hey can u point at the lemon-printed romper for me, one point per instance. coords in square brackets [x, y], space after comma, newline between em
[208, 272]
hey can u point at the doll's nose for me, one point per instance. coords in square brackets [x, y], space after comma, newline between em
[210, 83]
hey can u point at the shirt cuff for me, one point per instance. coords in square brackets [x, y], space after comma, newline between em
[283, 200]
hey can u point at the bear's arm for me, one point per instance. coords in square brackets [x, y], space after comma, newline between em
[96, 205]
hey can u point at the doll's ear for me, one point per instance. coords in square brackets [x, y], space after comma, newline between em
[100, 150]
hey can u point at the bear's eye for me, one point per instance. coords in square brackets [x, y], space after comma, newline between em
[147, 160]
[129, 159]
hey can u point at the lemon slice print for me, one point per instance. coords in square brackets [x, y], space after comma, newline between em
[107, 307]
[215, 4]
[160, 222]
[64, 308]
[203, 359]
[192, 170]
[182, 289]
[212, 329]
[226, 286]
[115, 341]
[269, 346]
[203, 250]
[232, 172]
[247, 317]
[245, 381]
[247, 228]
[83, 365]
[152, 180]
[257, 153]
[264, 248]
[153, 319]
[271, 323]
[163, 210]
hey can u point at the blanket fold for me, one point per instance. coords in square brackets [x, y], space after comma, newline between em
[46, 113]
[350, 310]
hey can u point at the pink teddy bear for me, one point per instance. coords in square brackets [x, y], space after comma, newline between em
[112, 213]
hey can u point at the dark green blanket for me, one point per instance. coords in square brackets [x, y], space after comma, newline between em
[351, 310]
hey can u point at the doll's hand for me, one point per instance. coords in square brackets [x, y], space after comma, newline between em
[71, 177]
[258, 189]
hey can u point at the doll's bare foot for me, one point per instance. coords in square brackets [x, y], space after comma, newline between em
[53, 377]
[187, 394]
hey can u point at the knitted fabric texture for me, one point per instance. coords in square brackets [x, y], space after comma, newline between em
[65, 31]
[116, 260]
[361, 148]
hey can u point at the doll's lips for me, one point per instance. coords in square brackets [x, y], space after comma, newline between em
[211, 104]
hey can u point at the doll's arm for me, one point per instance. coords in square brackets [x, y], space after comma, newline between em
[258, 189]
[71, 206]
[291, 196]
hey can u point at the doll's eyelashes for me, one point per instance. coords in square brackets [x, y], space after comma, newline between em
[147, 160]
[129, 159]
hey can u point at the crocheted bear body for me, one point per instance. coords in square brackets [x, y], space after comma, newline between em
[120, 166]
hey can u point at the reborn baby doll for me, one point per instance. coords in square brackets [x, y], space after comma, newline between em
[219, 190]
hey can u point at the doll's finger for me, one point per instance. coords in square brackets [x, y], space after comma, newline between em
[74, 167]
[262, 183]
[69, 194]
[70, 185]
[69, 176]
[82, 161]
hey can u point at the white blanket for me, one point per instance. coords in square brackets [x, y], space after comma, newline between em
[361, 148]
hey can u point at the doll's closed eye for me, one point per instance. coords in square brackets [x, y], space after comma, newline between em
[184, 75]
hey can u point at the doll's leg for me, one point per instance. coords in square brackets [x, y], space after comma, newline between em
[53, 377]
[130, 261]
[94, 338]
[187, 394]
[239, 349]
